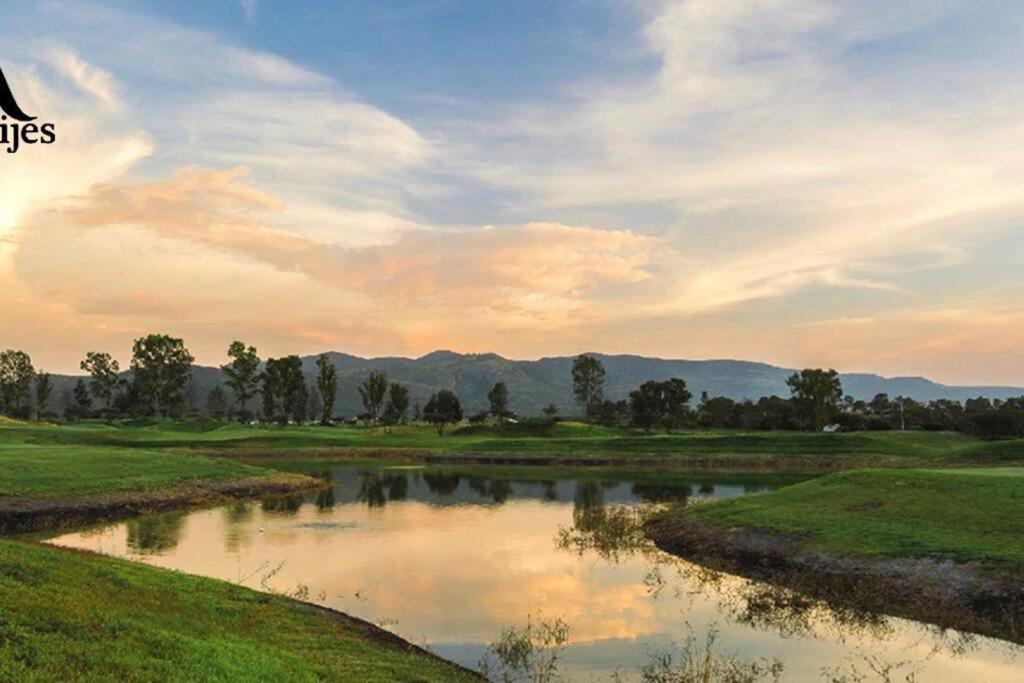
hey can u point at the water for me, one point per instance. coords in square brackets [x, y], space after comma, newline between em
[448, 558]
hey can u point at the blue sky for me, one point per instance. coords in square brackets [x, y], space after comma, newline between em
[805, 182]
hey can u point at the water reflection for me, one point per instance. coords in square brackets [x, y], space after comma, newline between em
[283, 506]
[154, 534]
[377, 488]
[450, 557]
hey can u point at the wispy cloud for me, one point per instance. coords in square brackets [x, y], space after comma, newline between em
[771, 165]
[249, 7]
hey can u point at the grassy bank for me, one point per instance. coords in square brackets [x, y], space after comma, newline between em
[50, 486]
[72, 616]
[941, 546]
[959, 515]
[561, 440]
[55, 471]
[68, 616]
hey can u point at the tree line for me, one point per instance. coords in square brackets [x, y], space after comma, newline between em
[157, 380]
[816, 402]
[276, 390]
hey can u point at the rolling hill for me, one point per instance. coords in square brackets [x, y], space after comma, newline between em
[534, 384]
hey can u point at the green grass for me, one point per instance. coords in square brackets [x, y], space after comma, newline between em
[38, 471]
[960, 515]
[73, 616]
[565, 439]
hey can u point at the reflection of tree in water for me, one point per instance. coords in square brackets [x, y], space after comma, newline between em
[610, 530]
[283, 506]
[588, 511]
[324, 499]
[789, 613]
[497, 490]
[442, 484]
[376, 488]
[235, 516]
[662, 493]
[155, 534]
[238, 513]
[615, 532]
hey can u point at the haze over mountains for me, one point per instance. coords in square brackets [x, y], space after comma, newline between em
[534, 384]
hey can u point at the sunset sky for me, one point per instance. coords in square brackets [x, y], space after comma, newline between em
[802, 182]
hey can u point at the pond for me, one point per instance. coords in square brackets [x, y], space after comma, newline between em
[448, 558]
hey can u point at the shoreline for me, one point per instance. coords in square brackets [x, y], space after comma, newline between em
[801, 464]
[978, 597]
[27, 515]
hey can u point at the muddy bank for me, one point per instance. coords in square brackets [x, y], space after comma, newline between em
[797, 464]
[25, 515]
[981, 598]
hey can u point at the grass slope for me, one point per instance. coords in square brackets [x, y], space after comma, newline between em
[961, 515]
[566, 439]
[73, 616]
[44, 471]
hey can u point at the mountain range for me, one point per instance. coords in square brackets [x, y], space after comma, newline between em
[533, 384]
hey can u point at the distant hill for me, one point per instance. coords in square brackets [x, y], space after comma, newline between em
[534, 384]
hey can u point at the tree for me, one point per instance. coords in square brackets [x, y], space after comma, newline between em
[816, 394]
[443, 409]
[270, 388]
[550, 411]
[372, 392]
[588, 382]
[660, 403]
[716, 412]
[327, 384]
[82, 407]
[161, 366]
[611, 413]
[44, 387]
[293, 389]
[129, 402]
[242, 375]
[284, 390]
[315, 406]
[398, 403]
[105, 376]
[498, 397]
[16, 375]
[217, 403]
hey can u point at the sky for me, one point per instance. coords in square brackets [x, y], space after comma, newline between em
[801, 182]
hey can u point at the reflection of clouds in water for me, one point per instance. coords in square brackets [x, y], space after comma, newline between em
[453, 575]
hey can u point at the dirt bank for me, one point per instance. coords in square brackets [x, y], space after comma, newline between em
[18, 515]
[798, 464]
[982, 598]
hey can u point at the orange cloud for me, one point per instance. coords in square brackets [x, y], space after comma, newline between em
[516, 268]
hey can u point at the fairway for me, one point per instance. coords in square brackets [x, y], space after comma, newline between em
[537, 439]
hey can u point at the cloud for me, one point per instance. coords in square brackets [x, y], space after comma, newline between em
[771, 153]
[197, 252]
[767, 164]
[525, 267]
[91, 80]
[249, 7]
[91, 146]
